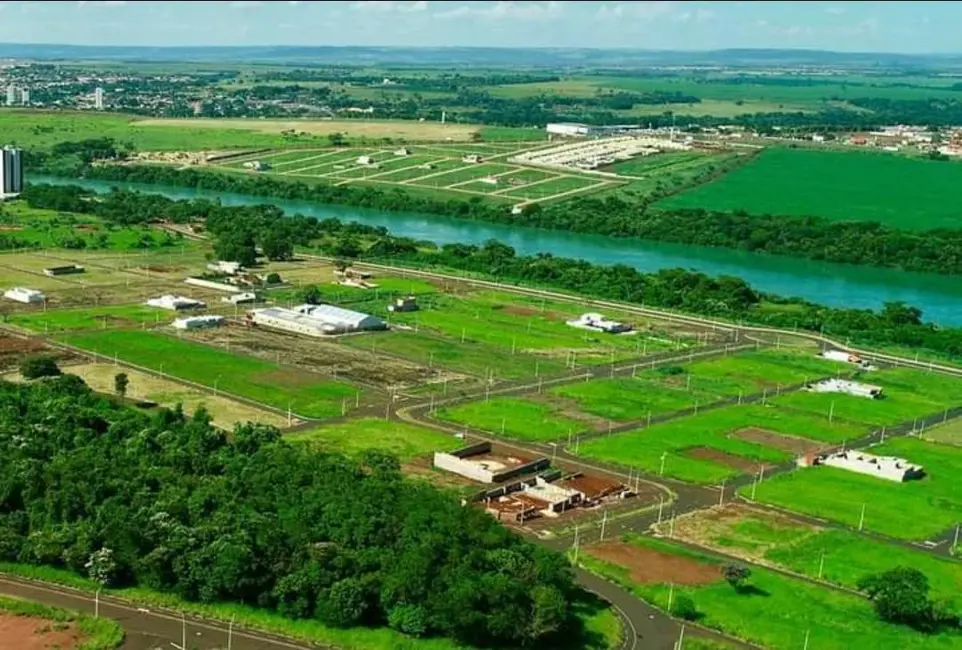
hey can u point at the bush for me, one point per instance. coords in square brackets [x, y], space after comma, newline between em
[39, 366]
[684, 608]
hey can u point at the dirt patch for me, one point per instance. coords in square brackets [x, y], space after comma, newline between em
[791, 444]
[29, 633]
[84, 228]
[10, 228]
[160, 268]
[516, 310]
[731, 460]
[648, 566]
[405, 129]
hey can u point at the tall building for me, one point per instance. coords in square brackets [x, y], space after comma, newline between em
[25, 97]
[11, 95]
[11, 172]
[99, 99]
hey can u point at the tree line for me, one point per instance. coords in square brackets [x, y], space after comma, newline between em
[240, 231]
[625, 215]
[169, 503]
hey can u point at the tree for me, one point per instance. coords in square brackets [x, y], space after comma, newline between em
[102, 567]
[336, 139]
[121, 381]
[273, 278]
[277, 246]
[39, 366]
[684, 608]
[736, 574]
[901, 595]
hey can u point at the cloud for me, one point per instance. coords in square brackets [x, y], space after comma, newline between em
[644, 11]
[389, 6]
[505, 10]
[835, 11]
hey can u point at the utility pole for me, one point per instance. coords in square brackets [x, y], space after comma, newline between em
[604, 523]
[183, 631]
[230, 633]
[861, 519]
[575, 559]
[661, 470]
[681, 637]
[97, 604]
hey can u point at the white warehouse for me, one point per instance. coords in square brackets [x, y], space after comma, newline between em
[887, 467]
[846, 387]
[27, 296]
[316, 320]
[175, 303]
[198, 322]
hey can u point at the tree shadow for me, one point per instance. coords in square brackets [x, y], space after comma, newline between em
[750, 590]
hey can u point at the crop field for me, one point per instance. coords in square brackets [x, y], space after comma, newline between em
[914, 510]
[718, 445]
[772, 610]
[406, 441]
[836, 556]
[514, 417]
[305, 393]
[895, 190]
[907, 395]
[438, 168]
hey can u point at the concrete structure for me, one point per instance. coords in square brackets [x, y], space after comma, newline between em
[596, 489]
[404, 304]
[27, 296]
[557, 498]
[212, 284]
[240, 298]
[476, 462]
[175, 303]
[569, 129]
[889, 468]
[403, 151]
[25, 97]
[257, 165]
[847, 357]
[198, 322]
[11, 95]
[67, 269]
[591, 154]
[99, 98]
[230, 268]
[11, 172]
[471, 158]
[315, 320]
[846, 387]
[365, 160]
[599, 323]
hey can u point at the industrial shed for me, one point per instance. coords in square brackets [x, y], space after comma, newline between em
[316, 320]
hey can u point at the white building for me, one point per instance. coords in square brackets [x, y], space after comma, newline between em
[556, 498]
[316, 320]
[198, 322]
[230, 268]
[25, 97]
[568, 130]
[240, 298]
[11, 172]
[365, 160]
[471, 158]
[599, 323]
[403, 151]
[27, 296]
[11, 95]
[887, 467]
[212, 284]
[846, 387]
[175, 303]
[99, 98]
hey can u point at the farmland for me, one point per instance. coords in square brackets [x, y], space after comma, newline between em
[914, 510]
[404, 440]
[896, 191]
[773, 610]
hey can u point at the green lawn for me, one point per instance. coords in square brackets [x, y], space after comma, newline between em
[677, 439]
[92, 318]
[406, 441]
[778, 611]
[626, 399]
[903, 192]
[911, 510]
[907, 394]
[307, 394]
[515, 417]
[657, 163]
[949, 433]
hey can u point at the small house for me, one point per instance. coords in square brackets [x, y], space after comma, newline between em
[471, 158]
[240, 298]
[365, 160]
[599, 323]
[230, 268]
[26, 296]
[67, 269]
[403, 151]
[404, 304]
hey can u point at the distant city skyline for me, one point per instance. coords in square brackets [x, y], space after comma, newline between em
[897, 27]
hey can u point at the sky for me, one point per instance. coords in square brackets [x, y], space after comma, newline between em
[909, 27]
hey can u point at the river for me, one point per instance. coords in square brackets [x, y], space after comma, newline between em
[836, 285]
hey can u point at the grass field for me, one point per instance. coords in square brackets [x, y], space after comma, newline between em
[912, 510]
[774, 611]
[513, 417]
[836, 556]
[705, 448]
[949, 433]
[92, 318]
[406, 441]
[307, 394]
[907, 394]
[844, 186]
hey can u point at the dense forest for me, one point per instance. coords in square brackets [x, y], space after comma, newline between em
[172, 504]
[625, 215]
[239, 231]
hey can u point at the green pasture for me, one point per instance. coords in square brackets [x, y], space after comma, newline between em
[676, 439]
[914, 510]
[305, 393]
[554, 186]
[656, 164]
[92, 318]
[897, 191]
[775, 610]
[465, 173]
[949, 433]
[406, 441]
[383, 166]
[907, 395]
[514, 417]
[438, 166]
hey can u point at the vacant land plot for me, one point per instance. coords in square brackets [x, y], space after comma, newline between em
[907, 395]
[912, 510]
[712, 447]
[106, 317]
[844, 186]
[772, 610]
[514, 417]
[643, 165]
[949, 433]
[406, 441]
[283, 387]
[837, 556]
[401, 130]
[560, 185]
[26, 625]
